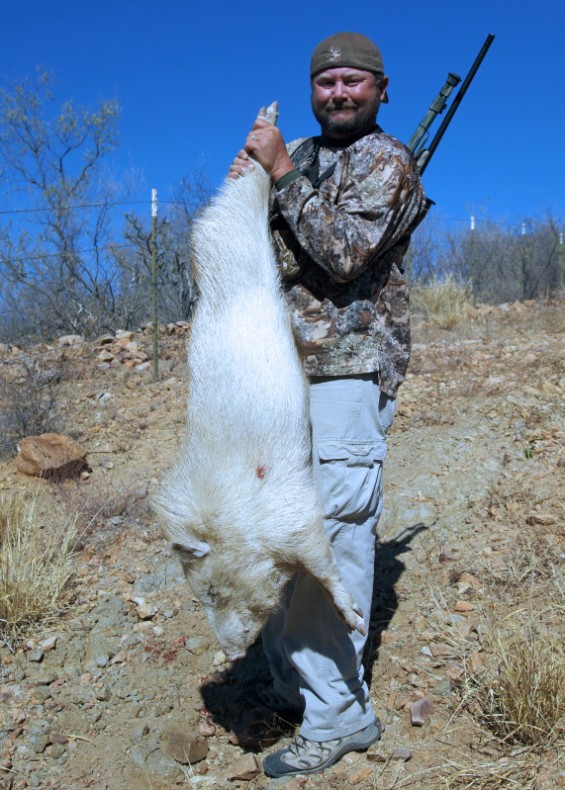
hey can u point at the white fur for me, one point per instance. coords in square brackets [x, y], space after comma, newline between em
[240, 505]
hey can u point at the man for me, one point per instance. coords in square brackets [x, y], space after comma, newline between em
[344, 208]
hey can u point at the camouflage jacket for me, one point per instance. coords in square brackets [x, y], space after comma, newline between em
[340, 232]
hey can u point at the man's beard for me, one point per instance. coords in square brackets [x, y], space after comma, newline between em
[363, 120]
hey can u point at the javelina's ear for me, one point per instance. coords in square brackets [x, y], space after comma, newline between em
[193, 551]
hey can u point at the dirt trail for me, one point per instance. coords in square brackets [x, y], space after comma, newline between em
[135, 678]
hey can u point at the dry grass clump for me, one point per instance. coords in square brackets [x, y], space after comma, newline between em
[521, 694]
[34, 566]
[508, 772]
[444, 301]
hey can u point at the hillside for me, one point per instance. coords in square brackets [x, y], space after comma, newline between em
[468, 572]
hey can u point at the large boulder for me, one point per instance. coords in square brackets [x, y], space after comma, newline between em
[50, 455]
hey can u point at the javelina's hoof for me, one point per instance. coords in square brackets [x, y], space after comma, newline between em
[360, 624]
[357, 623]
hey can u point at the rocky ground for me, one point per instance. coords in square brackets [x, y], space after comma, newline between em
[127, 687]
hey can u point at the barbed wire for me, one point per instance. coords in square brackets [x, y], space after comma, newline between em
[432, 218]
[4, 212]
[46, 255]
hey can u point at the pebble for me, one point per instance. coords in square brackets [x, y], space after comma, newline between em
[246, 768]
[162, 766]
[39, 727]
[23, 752]
[80, 696]
[444, 688]
[146, 611]
[102, 693]
[441, 650]
[39, 742]
[206, 729]
[401, 754]
[377, 754]
[41, 693]
[464, 606]
[45, 676]
[139, 731]
[196, 645]
[35, 655]
[139, 754]
[219, 658]
[57, 738]
[55, 750]
[420, 712]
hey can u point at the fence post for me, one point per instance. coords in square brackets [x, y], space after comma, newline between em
[154, 283]
[561, 260]
[473, 264]
[407, 265]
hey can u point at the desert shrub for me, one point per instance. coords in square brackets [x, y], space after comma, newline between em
[34, 565]
[98, 508]
[443, 301]
[28, 403]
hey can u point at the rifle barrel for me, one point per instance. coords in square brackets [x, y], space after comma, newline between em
[456, 101]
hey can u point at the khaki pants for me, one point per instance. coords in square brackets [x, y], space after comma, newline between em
[314, 659]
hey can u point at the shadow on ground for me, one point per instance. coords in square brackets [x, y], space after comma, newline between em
[226, 696]
[388, 570]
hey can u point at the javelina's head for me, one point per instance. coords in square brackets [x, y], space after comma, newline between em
[237, 592]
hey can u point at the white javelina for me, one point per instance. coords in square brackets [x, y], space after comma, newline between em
[240, 505]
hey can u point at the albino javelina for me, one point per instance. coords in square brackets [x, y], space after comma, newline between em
[240, 505]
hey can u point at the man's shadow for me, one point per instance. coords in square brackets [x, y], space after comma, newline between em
[388, 570]
[226, 697]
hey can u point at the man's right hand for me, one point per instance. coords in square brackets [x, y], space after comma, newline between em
[266, 145]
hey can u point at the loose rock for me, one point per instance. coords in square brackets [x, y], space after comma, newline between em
[245, 768]
[420, 712]
[184, 747]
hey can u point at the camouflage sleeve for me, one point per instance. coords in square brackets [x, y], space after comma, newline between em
[371, 211]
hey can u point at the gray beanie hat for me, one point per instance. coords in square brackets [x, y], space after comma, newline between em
[347, 49]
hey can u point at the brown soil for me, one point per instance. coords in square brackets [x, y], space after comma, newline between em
[472, 535]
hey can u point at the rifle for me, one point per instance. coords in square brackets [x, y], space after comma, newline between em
[420, 136]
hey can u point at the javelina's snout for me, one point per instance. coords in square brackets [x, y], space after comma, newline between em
[237, 592]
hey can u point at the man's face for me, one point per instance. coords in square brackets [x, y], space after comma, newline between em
[345, 101]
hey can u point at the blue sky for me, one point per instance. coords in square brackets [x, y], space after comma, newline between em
[190, 76]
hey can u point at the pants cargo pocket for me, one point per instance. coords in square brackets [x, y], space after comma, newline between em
[349, 475]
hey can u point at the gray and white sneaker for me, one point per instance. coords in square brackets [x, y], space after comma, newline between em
[302, 756]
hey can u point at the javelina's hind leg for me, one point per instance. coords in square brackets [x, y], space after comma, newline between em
[320, 564]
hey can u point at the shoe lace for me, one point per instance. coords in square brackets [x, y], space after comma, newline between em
[301, 747]
[297, 746]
